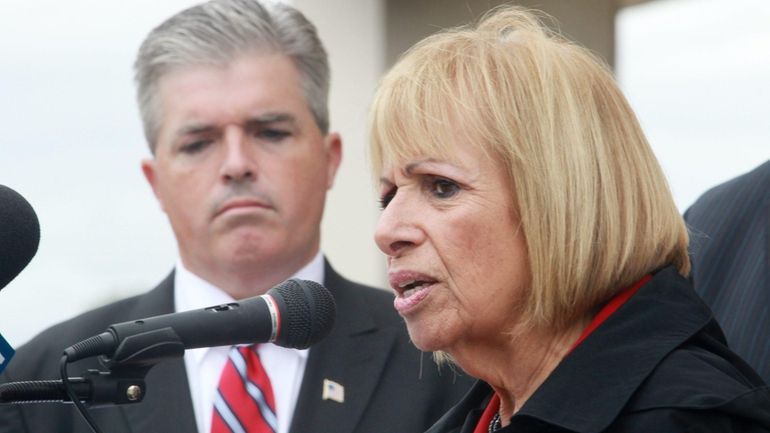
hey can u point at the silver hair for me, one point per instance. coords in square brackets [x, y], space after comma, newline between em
[215, 33]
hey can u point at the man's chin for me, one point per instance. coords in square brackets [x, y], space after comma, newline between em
[249, 245]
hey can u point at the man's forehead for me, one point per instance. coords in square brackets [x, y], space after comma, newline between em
[261, 89]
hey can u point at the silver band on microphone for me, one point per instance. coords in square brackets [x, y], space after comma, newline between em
[275, 316]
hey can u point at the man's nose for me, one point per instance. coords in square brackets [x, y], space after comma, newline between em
[238, 163]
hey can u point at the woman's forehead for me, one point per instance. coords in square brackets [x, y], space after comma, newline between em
[462, 156]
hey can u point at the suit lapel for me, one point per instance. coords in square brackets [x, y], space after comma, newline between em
[167, 406]
[348, 357]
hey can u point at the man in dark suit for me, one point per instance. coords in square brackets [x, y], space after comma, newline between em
[730, 250]
[233, 96]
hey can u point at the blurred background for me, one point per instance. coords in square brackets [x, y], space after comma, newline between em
[697, 72]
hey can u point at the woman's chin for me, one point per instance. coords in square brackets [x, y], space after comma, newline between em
[425, 340]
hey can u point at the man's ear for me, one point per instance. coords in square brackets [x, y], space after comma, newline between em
[333, 147]
[149, 171]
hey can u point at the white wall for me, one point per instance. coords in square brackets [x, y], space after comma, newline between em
[697, 73]
[71, 145]
[354, 36]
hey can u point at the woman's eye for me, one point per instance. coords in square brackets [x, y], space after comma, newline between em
[444, 188]
[387, 197]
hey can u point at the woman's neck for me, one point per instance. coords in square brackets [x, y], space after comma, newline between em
[516, 368]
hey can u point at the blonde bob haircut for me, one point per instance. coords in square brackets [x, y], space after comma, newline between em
[594, 205]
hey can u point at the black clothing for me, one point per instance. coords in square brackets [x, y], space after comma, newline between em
[659, 364]
[730, 250]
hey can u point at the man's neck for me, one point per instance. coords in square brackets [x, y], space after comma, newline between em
[245, 283]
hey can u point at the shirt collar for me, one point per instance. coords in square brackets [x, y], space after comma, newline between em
[193, 292]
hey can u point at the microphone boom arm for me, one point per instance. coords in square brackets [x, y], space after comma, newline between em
[122, 384]
[96, 389]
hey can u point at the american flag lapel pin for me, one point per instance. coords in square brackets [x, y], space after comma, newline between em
[333, 391]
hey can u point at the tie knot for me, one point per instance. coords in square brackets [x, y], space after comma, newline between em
[246, 350]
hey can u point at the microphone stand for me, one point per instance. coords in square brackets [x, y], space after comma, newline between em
[95, 389]
[123, 383]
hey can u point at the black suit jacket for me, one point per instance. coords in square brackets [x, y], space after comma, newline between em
[388, 385]
[730, 251]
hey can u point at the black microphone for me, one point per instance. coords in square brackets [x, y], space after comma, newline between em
[19, 234]
[19, 239]
[296, 313]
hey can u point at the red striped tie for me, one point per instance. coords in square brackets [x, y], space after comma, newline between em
[244, 402]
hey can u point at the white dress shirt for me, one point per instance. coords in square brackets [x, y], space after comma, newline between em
[285, 367]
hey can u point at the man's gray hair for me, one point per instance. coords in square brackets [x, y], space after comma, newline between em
[215, 33]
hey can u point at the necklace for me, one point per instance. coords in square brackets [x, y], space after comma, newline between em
[495, 423]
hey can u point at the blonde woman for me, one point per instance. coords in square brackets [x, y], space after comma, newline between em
[532, 240]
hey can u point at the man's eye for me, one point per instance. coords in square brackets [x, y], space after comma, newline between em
[194, 147]
[444, 188]
[270, 134]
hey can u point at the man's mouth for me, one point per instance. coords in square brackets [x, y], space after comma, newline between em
[244, 203]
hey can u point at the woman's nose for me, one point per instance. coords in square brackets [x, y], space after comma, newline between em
[398, 229]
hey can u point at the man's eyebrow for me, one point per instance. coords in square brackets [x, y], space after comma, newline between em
[193, 129]
[268, 118]
[252, 122]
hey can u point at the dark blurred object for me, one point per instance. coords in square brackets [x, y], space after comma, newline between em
[730, 251]
[19, 234]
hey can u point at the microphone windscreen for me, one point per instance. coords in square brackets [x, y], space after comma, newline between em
[309, 312]
[19, 234]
